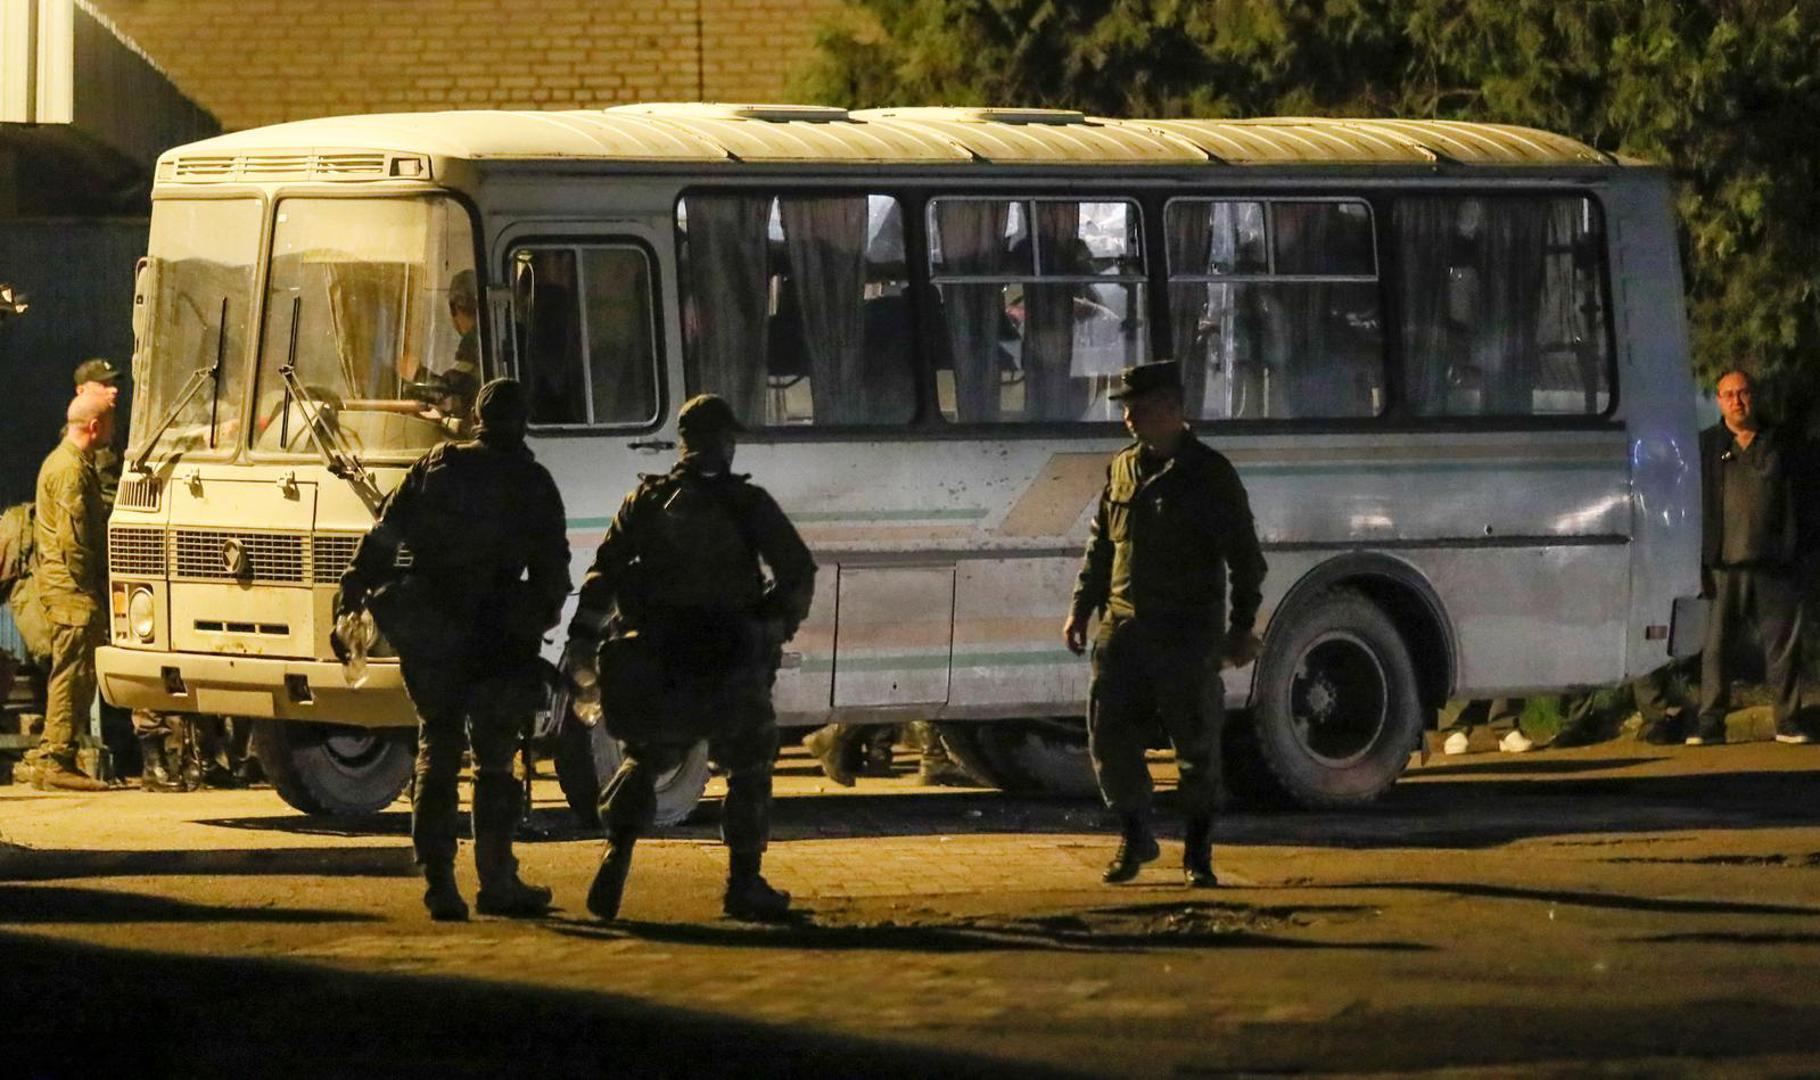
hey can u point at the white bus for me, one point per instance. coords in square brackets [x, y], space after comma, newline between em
[1449, 361]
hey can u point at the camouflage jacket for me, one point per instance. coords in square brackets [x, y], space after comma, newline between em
[71, 537]
[664, 558]
[1164, 541]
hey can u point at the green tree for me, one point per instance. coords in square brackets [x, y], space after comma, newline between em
[1725, 93]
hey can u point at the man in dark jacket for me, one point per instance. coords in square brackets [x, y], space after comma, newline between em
[1758, 529]
[1172, 523]
[680, 567]
[486, 571]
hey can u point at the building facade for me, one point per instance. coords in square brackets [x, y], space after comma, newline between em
[254, 62]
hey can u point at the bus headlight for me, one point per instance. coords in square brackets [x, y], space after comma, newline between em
[140, 614]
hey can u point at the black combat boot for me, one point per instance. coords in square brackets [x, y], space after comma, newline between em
[441, 896]
[502, 891]
[1197, 854]
[1137, 846]
[610, 880]
[749, 896]
[156, 773]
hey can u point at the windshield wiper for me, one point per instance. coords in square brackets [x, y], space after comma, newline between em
[339, 461]
[194, 383]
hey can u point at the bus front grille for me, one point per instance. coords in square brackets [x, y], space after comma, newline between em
[135, 552]
[211, 555]
[139, 493]
[332, 554]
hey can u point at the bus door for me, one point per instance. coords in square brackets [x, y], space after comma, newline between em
[893, 635]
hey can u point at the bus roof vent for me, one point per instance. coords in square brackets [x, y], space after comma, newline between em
[714, 110]
[204, 166]
[982, 115]
[332, 165]
[275, 165]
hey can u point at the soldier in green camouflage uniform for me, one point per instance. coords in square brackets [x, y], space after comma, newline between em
[1172, 524]
[681, 563]
[69, 587]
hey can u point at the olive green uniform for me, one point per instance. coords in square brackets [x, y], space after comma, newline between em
[680, 561]
[1165, 537]
[69, 585]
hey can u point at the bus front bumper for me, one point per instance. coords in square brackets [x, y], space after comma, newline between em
[252, 686]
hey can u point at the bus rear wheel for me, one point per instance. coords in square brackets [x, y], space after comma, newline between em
[1337, 706]
[587, 757]
[333, 768]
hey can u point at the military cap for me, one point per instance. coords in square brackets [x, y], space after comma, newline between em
[1142, 379]
[464, 291]
[96, 370]
[706, 414]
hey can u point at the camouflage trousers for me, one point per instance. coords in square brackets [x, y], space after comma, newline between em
[742, 740]
[1144, 676]
[69, 689]
[456, 711]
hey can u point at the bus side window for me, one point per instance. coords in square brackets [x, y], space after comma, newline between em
[1503, 308]
[1274, 308]
[793, 307]
[1043, 304]
[590, 355]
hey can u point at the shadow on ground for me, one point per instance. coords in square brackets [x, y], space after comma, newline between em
[34, 865]
[1119, 929]
[144, 1014]
[30, 904]
[1463, 806]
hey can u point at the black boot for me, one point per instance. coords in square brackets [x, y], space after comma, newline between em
[749, 896]
[1137, 846]
[1197, 854]
[156, 773]
[610, 880]
[441, 896]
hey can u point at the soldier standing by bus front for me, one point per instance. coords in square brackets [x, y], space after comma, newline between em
[70, 586]
[679, 567]
[1172, 523]
[488, 573]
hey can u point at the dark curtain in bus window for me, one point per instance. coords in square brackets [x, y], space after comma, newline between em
[727, 301]
[826, 240]
[551, 367]
[1262, 335]
[1503, 311]
[1050, 390]
[621, 353]
[972, 239]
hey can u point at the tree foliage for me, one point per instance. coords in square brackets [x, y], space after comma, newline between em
[1725, 93]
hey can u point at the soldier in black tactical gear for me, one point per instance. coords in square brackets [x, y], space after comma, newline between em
[1172, 523]
[487, 574]
[679, 568]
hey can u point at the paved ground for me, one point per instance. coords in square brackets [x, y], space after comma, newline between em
[1616, 910]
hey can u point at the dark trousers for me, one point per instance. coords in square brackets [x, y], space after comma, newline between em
[742, 739]
[1146, 675]
[456, 710]
[1767, 601]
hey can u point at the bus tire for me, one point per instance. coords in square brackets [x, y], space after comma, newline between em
[587, 757]
[1337, 705]
[1047, 757]
[333, 768]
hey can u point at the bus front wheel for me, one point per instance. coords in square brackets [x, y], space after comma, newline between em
[333, 768]
[587, 757]
[1337, 706]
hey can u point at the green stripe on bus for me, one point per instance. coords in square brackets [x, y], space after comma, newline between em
[926, 662]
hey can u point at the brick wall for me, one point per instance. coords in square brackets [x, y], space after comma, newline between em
[253, 62]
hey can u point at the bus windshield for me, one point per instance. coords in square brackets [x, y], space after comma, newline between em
[373, 303]
[197, 288]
